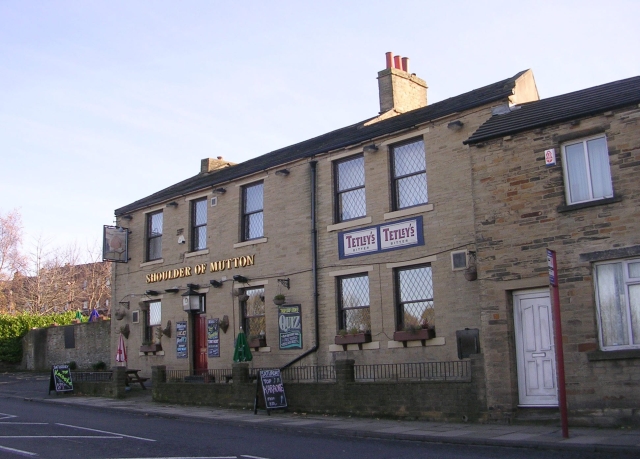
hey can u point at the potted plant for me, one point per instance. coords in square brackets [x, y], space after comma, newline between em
[415, 332]
[278, 299]
[256, 341]
[353, 336]
[150, 347]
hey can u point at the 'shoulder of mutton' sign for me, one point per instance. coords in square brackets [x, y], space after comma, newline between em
[381, 238]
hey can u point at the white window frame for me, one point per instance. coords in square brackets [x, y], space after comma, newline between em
[567, 178]
[628, 281]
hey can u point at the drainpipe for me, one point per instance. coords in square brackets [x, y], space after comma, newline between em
[314, 266]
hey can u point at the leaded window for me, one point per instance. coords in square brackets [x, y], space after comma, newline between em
[253, 309]
[409, 174]
[618, 299]
[199, 224]
[152, 320]
[414, 297]
[252, 211]
[353, 294]
[349, 185]
[154, 236]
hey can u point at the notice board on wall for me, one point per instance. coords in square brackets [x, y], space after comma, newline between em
[289, 326]
[213, 337]
[181, 340]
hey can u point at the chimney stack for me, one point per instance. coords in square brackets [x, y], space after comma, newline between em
[211, 164]
[399, 90]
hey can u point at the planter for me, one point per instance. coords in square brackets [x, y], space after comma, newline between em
[422, 334]
[278, 301]
[258, 342]
[358, 338]
[150, 348]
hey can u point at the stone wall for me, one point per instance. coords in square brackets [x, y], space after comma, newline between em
[429, 400]
[86, 344]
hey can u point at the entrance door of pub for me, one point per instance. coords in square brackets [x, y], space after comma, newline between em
[535, 349]
[200, 344]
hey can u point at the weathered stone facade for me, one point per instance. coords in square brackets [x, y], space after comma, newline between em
[520, 211]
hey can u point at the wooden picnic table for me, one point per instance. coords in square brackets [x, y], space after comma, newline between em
[134, 377]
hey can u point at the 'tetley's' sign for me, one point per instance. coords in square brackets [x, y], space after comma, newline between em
[381, 238]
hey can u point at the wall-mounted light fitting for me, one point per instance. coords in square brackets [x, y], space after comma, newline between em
[241, 279]
[191, 298]
[215, 283]
[172, 204]
[455, 125]
[282, 172]
[127, 217]
[172, 290]
[219, 190]
[152, 293]
[370, 148]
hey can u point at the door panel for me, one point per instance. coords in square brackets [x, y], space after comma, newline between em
[534, 348]
[200, 344]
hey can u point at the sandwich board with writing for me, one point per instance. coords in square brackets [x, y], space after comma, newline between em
[60, 379]
[270, 391]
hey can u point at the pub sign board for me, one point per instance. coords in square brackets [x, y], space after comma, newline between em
[289, 326]
[60, 379]
[115, 244]
[381, 238]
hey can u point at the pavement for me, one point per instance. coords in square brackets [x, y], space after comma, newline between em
[33, 387]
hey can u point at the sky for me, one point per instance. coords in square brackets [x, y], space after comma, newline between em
[105, 102]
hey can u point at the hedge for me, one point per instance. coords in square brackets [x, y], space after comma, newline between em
[14, 327]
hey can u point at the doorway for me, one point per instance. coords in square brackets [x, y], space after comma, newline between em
[200, 344]
[535, 349]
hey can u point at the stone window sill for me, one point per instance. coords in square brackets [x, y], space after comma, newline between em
[408, 212]
[262, 240]
[584, 205]
[349, 224]
[596, 356]
[196, 253]
[151, 263]
[354, 347]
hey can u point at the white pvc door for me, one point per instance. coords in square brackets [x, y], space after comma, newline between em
[537, 382]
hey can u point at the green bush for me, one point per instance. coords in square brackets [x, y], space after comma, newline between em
[14, 327]
[99, 366]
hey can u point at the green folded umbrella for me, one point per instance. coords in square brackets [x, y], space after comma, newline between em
[242, 352]
[79, 315]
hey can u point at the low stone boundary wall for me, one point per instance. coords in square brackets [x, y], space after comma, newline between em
[114, 387]
[428, 400]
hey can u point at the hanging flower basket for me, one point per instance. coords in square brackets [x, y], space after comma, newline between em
[278, 300]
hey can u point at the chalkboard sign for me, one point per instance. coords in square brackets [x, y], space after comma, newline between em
[272, 391]
[60, 379]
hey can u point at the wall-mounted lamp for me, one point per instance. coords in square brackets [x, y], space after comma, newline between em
[241, 279]
[127, 217]
[219, 190]
[172, 204]
[370, 148]
[455, 125]
[282, 172]
[191, 299]
[152, 293]
[215, 283]
[172, 290]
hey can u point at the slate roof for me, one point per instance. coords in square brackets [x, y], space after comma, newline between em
[340, 138]
[560, 109]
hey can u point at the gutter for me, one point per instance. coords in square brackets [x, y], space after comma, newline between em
[314, 267]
